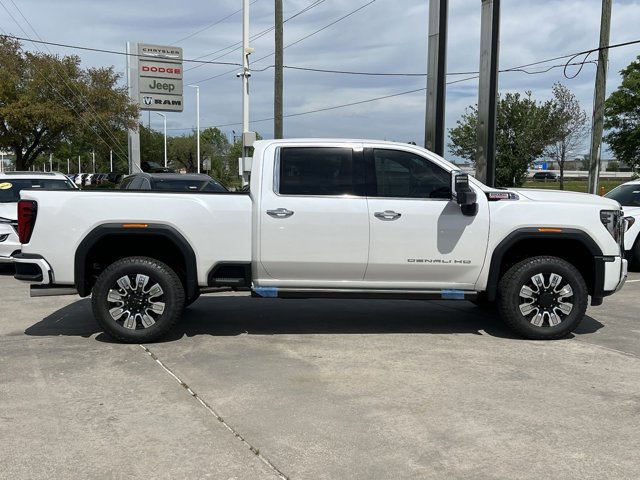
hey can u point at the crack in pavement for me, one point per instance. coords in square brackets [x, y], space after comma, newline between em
[210, 409]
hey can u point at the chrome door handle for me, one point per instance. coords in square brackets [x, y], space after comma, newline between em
[387, 215]
[280, 213]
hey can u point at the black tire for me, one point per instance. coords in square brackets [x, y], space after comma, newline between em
[542, 298]
[137, 299]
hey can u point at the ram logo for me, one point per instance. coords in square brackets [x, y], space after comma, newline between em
[147, 100]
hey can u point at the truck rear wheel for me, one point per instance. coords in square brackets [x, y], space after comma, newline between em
[542, 298]
[137, 299]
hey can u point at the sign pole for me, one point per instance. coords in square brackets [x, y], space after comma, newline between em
[134, 96]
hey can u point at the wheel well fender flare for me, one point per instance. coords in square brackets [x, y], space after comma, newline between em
[100, 232]
[532, 233]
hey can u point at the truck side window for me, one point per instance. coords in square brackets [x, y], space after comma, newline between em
[136, 184]
[316, 171]
[402, 174]
[125, 182]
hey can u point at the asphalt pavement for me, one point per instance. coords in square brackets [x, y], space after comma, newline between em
[317, 389]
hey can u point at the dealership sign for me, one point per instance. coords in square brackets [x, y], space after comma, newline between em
[159, 78]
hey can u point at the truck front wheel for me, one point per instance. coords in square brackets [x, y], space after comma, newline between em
[542, 298]
[137, 299]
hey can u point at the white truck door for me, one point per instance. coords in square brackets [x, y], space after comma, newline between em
[419, 237]
[314, 226]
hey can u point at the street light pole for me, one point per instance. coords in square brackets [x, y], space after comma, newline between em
[197, 87]
[164, 117]
[246, 51]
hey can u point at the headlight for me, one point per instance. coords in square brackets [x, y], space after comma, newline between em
[614, 223]
[630, 221]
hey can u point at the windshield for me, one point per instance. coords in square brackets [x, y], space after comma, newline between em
[187, 185]
[10, 188]
[626, 195]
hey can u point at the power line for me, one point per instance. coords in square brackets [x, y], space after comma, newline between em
[334, 107]
[75, 93]
[212, 24]
[237, 45]
[297, 41]
[113, 52]
[323, 28]
[519, 68]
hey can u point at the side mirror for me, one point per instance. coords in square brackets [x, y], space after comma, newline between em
[463, 194]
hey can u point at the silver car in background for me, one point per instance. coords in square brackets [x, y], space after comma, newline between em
[11, 183]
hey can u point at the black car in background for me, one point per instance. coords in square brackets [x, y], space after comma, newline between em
[172, 182]
[545, 177]
[155, 167]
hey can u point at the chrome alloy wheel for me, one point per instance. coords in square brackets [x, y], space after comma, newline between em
[546, 301]
[133, 305]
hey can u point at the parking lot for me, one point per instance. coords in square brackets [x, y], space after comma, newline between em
[318, 389]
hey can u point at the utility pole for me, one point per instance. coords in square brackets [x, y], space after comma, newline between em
[278, 76]
[436, 76]
[247, 137]
[597, 123]
[488, 92]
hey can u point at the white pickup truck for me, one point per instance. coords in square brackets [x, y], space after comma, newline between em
[332, 219]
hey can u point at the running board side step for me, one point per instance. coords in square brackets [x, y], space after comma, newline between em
[51, 290]
[445, 294]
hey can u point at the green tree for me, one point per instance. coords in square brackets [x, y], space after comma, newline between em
[182, 152]
[46, 100]
[622, 116]
[152, 145]
[613, 166]
[524, 128]
[570, 122]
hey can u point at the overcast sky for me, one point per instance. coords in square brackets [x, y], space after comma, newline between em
[383, 36]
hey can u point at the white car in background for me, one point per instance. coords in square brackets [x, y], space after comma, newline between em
[628, 195]
[11, 183]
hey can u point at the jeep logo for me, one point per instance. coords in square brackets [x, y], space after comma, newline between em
[162, 86]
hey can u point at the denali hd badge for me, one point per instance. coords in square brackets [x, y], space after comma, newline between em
[496, 196]
[438, 261]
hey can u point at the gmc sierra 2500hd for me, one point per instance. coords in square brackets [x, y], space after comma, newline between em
[327, 218]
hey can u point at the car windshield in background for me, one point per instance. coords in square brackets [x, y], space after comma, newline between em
[187, 185]
[10, 189]
[626, 195]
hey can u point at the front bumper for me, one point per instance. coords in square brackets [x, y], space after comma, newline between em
[610, 276]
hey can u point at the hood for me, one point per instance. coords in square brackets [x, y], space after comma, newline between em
[562, 196]
[631, 211]
[9, 210]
